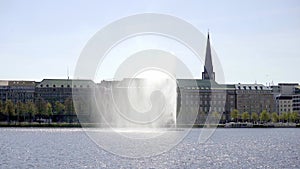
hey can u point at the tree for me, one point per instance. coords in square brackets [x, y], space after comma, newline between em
[9, 110]
[294, 117]
[41, 106]
[69, 108]
[216, 117]
[254, 117]
[274, 117]
[1, 108]
[264, 116]
[284, 117]
[49, 111]
[59, 109]
[234, 114]
[20, 110]
[297, 118]
[245, 116]
[31, 109]
[223, 118]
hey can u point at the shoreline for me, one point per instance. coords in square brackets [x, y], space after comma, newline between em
[91, 125]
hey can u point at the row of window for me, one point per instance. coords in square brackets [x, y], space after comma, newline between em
[192, 102]
[253, 91]
[68, 86]
[204, 109]
[285, 105]
[196, 88]
[18, 95]
[286, 101]
[206, 96]
[285, 110]
[250, 87]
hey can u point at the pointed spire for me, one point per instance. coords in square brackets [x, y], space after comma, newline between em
[208, 73]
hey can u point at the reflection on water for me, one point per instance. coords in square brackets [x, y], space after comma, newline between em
[227, 148]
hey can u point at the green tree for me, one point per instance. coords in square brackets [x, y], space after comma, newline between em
[69, 109]
[296, 114]
[59, 109]
[245, 116]
[9, 110]
[234, 114]
[31, 109]
[264, 116]
[21, 110]
[274, 117]
[254, 117]
[280, 117]
[223, 118]
[1, 108]
[284, 116]
[294, 117]
[49, 111]
[41, 106]
[216, 117]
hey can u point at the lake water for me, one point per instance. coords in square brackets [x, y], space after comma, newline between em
[227, 148]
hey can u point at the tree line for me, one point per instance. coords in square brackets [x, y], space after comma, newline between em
[38, 111]
[264, 117]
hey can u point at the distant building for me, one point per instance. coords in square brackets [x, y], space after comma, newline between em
[285, 104]
[203, 97]
[287, 88]
[296, 100]
[17, 91]
[52, 90]
[254, 98]
[208, 73]
[208, 96]
[287, 97]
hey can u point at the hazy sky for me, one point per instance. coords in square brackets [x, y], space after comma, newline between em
[255, 40]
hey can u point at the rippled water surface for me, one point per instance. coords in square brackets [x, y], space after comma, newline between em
[227, 148]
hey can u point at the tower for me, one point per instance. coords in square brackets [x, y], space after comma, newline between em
[208, 73]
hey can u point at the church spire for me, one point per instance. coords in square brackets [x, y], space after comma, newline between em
[208, 73]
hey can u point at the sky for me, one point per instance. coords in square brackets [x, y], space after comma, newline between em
[255, 41]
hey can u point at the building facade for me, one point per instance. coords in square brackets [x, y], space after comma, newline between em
[17, 91]
[53, 90]
[287, 97]
[254, 98]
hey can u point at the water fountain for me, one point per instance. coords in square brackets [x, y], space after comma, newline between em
[137, 103]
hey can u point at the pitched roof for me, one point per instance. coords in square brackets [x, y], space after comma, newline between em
[203, 84]
[251, 87]
[65, 83]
